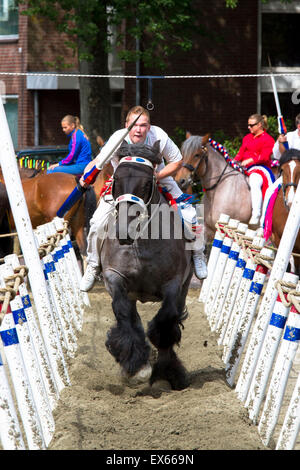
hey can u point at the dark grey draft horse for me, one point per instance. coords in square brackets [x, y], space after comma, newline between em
[141, 267]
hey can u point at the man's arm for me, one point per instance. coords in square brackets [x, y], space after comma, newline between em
[169, 170]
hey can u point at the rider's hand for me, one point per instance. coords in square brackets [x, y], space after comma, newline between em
[247, 162]
[282, 138]
[51, 167]
[82, 182]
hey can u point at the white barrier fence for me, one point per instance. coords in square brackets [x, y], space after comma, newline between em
[253, 305]
[26, 420]
[41, 314]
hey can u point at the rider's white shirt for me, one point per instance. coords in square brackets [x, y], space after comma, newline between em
[168, 148]
[293, 139]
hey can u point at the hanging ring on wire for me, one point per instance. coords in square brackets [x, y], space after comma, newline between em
[150, 105]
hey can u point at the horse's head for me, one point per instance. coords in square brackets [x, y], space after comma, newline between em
[290, 170]
[134, 186]
[194, 154]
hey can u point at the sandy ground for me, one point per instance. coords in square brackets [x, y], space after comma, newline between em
[98, 412]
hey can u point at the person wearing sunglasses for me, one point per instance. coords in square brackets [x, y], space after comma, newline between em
[255, 156]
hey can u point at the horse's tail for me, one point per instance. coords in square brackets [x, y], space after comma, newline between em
[90, 205]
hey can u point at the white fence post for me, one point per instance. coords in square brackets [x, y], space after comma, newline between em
[27, 241]
[10, 432]
[269, 348]
[214, 255]
[284, 361]
[218, 273]
[224, 327]
[281, 261]
[40, 348]
[246, 316]
[216, 316]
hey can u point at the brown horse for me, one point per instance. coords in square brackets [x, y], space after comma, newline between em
[45, 194]
[226, 190]
[290, 173]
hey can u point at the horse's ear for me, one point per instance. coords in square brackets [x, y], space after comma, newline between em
[124, 144]
[156, 146]
[122, 151]
[205, 139]
[188, 134]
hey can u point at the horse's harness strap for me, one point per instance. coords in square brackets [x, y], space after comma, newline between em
[131, 197]
[141, 160]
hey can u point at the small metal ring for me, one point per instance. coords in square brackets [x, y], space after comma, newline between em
[150, 105]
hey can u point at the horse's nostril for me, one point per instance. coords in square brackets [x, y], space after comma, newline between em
[182, 181]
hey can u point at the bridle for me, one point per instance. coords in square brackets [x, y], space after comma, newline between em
[193, 169]
[287, 185]
[132, 197]
[202, 156]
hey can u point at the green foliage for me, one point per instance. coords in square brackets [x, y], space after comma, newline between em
[231, 145]
[163, 25]
[178, 136]
[273, 126]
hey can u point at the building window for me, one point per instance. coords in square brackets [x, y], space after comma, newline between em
[280, 39]
[279, 26]
[9, 18]
[11, 111]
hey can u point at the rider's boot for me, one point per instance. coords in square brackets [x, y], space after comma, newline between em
[91, 275]
[200, 267]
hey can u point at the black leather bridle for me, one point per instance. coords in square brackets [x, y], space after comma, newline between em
[191, 180]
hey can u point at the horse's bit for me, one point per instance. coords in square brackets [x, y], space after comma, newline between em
[193, 169]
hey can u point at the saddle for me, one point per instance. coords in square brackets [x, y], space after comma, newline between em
[268, 210]
[266, 174]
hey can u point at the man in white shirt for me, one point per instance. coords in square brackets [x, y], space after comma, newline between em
[292, 138]
[141, 132]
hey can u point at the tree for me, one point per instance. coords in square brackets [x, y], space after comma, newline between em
[162, 25]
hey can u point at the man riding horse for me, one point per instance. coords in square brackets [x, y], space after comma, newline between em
[141, 132]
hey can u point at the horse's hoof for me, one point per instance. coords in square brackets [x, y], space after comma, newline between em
[184, 315]
[161, 386]
[142, 376]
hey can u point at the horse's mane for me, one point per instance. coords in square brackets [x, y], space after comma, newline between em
[149, 152]
[191, 145]
[288, 155]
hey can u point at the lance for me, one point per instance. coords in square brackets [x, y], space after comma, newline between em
[281, 123]
[103, 157]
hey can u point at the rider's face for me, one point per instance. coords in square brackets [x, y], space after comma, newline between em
[139, 131]
[67, 127]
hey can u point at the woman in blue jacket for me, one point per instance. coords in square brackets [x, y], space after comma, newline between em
[80, 152]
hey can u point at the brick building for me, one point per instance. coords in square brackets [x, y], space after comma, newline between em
[232, 42]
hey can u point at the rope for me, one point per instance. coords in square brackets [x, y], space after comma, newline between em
[283, 288]
[12, 284]
[137, 77]
[294, 298]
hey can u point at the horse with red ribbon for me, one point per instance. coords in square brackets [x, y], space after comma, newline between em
[278, 205]
[224, 183]
[224, 187]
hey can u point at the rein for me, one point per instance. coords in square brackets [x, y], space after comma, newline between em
[204, 156]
